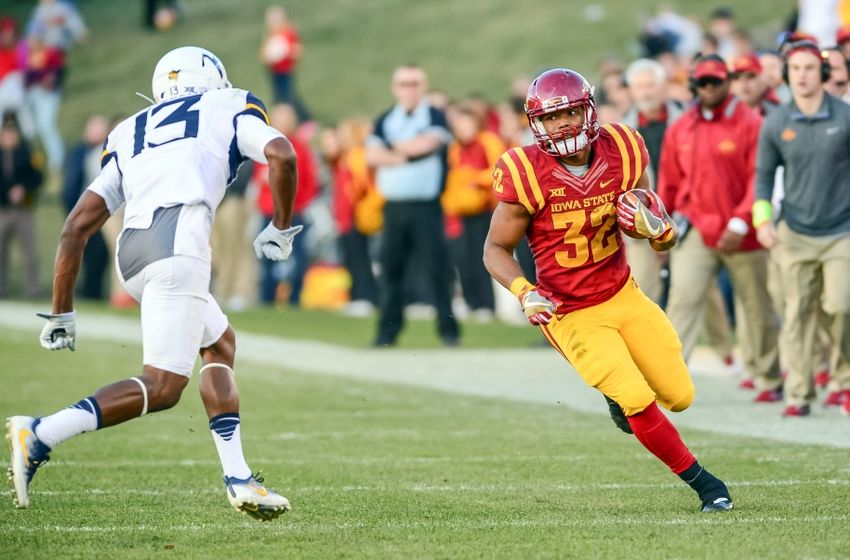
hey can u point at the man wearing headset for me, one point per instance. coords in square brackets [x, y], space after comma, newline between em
[706, 174]
[810, 239]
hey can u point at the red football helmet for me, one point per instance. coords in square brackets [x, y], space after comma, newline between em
[556, 90]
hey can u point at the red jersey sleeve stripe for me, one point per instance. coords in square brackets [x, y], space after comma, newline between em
[532, 177]
[624, 155]
[516, 180]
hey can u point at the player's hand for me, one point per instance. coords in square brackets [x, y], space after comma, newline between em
[650, 221]
[275, 244]
[60, 331]
[766, 234]
[538, 305]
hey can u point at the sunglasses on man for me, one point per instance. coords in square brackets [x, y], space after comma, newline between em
[705, 82]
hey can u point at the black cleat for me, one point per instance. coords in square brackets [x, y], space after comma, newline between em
[617, 415]
[723, 503]
[712, 492]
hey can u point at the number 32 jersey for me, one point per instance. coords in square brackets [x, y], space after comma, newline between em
[183, 151]
[573, 232]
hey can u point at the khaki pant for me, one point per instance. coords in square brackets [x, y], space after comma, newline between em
[716, 324]
[234, 279]
[693, 267]
[823, 344]
[814, 273]
[19, 222]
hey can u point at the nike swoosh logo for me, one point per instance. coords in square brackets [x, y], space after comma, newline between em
[831, 131]
[22, 439]
[654, 225]
[261, 491]
[604, 184]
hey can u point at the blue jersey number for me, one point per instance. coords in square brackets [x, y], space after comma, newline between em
[183, 114]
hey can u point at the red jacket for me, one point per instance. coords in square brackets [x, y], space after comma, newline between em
[308, 185]
[707, 169]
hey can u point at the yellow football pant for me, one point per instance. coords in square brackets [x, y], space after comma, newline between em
[627, 349]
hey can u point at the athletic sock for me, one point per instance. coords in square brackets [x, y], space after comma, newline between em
[661, 438]
[69, 422]
[228, 442]
[705, 484]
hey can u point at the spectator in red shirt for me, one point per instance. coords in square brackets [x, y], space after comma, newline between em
[280, 53]
[12, 93]
[272, 274]
[706, 179]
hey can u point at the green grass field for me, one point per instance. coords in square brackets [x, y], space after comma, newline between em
[382, 471]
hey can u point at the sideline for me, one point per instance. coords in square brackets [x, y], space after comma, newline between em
[534, 375]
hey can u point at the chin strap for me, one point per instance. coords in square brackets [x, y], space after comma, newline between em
[146, 98]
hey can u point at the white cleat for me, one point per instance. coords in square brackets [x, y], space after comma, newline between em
[249, 496]
[28, 453]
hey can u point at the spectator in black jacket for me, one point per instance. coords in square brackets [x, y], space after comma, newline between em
[81, 168]
[19, 182]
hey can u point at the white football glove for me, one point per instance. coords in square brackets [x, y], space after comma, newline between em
[275, 244]
[59, 332]
[538, 305]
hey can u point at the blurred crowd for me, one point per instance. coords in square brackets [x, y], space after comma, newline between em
[396, 206]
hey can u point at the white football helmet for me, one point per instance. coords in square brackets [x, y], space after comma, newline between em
[187, 71]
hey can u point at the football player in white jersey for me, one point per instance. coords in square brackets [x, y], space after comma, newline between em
[168, 166]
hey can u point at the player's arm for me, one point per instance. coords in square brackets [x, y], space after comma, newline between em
[275, 241]
[102, 198]
[506, 229]
[283, 179]
[262, 143]
[87, 217]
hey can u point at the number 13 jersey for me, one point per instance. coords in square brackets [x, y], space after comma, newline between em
[573, 233]
[181, 152]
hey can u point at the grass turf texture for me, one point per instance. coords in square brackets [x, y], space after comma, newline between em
[377, 470]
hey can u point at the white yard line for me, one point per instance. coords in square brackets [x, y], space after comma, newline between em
[295, 526]
[447, 488]
[538, 376]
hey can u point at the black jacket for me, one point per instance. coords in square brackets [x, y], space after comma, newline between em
[16, 168]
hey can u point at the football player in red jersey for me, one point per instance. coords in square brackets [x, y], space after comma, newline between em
[561, 192]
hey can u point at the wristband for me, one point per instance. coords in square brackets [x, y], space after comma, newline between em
[762, 212]
[519, 284]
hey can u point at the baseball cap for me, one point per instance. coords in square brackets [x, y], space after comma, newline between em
[748, 63]
[843, 35]
[710, 68]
